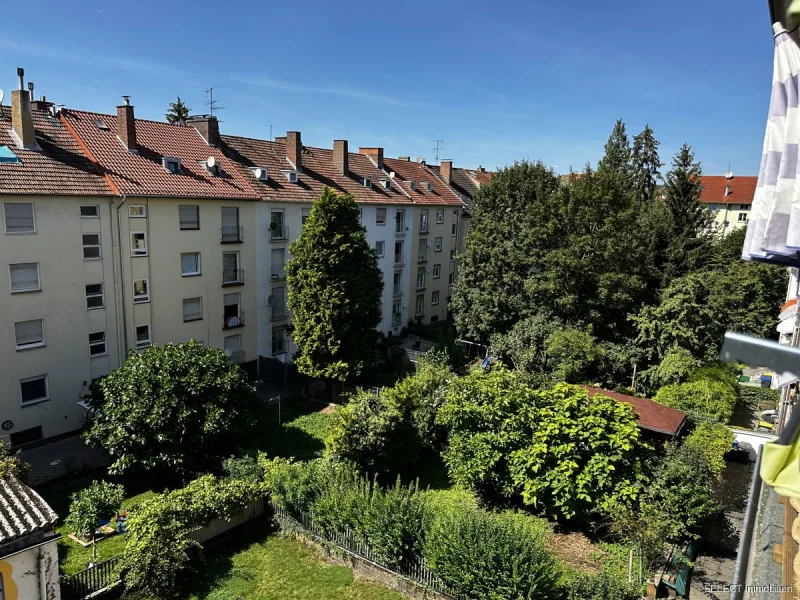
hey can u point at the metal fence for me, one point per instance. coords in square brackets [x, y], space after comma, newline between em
[415, 569]
[95, 579]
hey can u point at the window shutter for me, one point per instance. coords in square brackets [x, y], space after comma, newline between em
[19, 218]
[192, 308]
[24, 277]
[189, 217]
[231, 299]
[190, 263]
[29, 332]
[230, 216]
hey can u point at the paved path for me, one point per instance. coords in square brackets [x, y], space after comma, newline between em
[63, 457]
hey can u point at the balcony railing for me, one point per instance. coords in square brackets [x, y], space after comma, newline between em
[397, 290]
[420, 283]
[397, 319]
[278, 273]
[278, 232]
[422, 258]
[398, 259]
[237, 358]
[231, 277]
[279, 313]
[233, 321]
[231, 234]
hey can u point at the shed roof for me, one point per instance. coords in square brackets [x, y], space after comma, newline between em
[22, 511]
[653, 416]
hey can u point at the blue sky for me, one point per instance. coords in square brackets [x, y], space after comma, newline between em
[497, 81]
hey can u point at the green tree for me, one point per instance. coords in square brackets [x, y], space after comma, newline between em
[676, 366]
[181, 407]
[617, 155]
[178, 112]
[712, 441]
[573, 354]
[705, 398]
[91, 505]
[12, 465]
[334, 291]
[645, 165]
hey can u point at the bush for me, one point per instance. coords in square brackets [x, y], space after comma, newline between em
[245, 468]
[478, 554]
[755, 396]
[706, 398]
[712, 441]
[93, 504]
[292, 486]
[12, 464]
[602, 586]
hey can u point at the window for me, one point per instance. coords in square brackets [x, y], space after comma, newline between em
[440, 215]
[423, 220]
[25, 437]
[137, 211]
[230, 224]
[278, 261]
[34, 389]
[190, 264]
[91, 246]
[437, 244]
[453, 228]
[138, 243]
[97, 343]
[437, 271]
[397, 308]
[142, 336]
[233, 348]
[192, 309]
[141, 291]
[171, 164]
[380, 248]
[94, 296]
[421, 278]
[380, 216]
[279, 302]
[452, 254]
[306, 214]
[278, 341]
[397, 287]
[90, 211]
[231, 273]
[19, 218]
[422, 250]
[189, 217]
[24, 277]
[744, 207]
[435, 297]
[276, 229]
[400, 221]
[398, 252]
[419, 307]
[742, 217]
[367, 182]
[451, 278]
[360, 216]
[232, 314]
[29, 334]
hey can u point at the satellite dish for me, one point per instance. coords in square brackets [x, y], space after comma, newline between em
[430, 244]
[427, 269]
[228, 352]
[211, 161]
[272, 300]
[391, 175]
[2, 95]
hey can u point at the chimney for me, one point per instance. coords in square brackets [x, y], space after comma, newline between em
[446, 171]
[126, 125]
[21, 118]
[481, 169]
[41, 104]
[376, 154]
[405, 158]
[208, 127]
[294, 149]
[341, 158]
[280, 138]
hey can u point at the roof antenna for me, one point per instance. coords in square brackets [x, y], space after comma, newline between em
[438, 145]
[270, 132]
[211, 103]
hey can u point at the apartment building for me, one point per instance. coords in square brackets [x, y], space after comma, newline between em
[58, 299]
[185, 223]
[729, 199]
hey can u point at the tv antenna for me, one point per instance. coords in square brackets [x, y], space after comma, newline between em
[210, 102]
[437, 145]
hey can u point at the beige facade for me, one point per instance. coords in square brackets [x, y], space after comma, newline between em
[57, 291]
[728, 217]
[31, 573]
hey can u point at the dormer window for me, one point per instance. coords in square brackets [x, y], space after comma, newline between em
[428, 186]
[412, 185]
[387, 183]
[261, 173]
[291, 175]
[7, 156]
[212, 166]
[367, 182]
[171, 164]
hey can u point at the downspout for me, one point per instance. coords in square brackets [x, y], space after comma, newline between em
[117, 240]
[41, 575]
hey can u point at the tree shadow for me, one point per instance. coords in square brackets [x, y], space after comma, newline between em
[294, 428]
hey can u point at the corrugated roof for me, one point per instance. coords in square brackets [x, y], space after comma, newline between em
[652, 415]
[407, 171]
[143, 174]
[742, 189]
[22, 511]
[59, 168]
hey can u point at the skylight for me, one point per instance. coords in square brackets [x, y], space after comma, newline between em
[101, 124]
[7, 156]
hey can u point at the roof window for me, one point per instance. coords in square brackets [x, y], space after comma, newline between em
[387, 183]
[428, 186]
[412, 185]
[7, 156]
[367, 182]
[291, 175]
[171, 164]
[100, 124]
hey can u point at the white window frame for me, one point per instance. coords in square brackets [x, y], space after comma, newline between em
[437, 244]
[37, 400]
[304, 214]
[284, 348]
[424, 224]
[143, 343]
[28, 346]
[5, 219]
[180, 224]
[400, 221]
[99, 247]
[103, 343]
[138, 251]
[439, 216]
[743, 217]
[397, 283]
[137, 211]
[437, 271]
[141, 299]
[183, 308]
[434, 297]
[378, 214]
[94, 206]
[419, 305]
[199, 265]
[38, 279]
[396, 255]
[101, 295]
[367, 182]
[382, 253]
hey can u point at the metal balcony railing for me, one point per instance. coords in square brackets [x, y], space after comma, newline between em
[278, 232]
[279, 313]
[278, 273]
[233, 321]
[231, 234]
[422, 258]
[397, 290]
[231, 277]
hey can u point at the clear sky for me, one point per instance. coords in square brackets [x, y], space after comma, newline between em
[497, 81]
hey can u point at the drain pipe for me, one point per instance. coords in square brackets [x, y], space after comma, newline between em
[117, 239]
[748, 528]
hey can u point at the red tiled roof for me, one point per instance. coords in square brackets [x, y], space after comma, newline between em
[142, 173]
[481, 175]
[652, 415]
[462, 184]
[406, 171]
[59, 168]
[318, 171]
[742, 189]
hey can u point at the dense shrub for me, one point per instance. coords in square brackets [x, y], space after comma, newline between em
[478, 554]
[602, 586]
[12, 465]
[711, 441]
[710, 395]
[756, 395]
[245, 468]
[292, 486]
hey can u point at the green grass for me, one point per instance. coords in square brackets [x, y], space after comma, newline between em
[300, 433]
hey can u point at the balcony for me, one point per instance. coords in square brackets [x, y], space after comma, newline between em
[232, 277]
[278, 232]
[398, 259]
[397, 320]
[422, 258]
[237, 358]
[231, 234]
[233, 321]
[397, 290]
[279, 313]
[278, 273]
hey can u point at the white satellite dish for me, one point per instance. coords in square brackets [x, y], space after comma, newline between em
[2, 95]
[211, 162]
[228, 352]
[430, 244]
[272, 300]
[427, 269]
[391, 175]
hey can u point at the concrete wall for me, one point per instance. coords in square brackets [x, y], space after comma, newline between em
[219, 526]
[752, 440]
[61, 303]
[32, 574]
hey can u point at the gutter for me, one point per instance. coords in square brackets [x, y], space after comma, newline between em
[746, 537]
